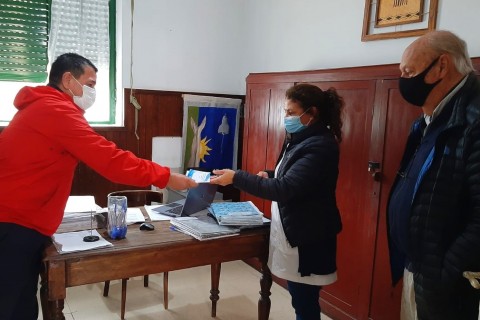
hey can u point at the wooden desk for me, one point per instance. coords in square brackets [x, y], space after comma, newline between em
[149, 252]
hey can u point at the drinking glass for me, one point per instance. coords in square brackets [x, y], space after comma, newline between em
[117, 217]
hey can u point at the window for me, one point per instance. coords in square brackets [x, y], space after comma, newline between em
[85, 27]
[23, 48]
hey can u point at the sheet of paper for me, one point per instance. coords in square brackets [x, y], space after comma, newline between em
[155, 216]
[81, 204]
[134, 215]
[73, 241]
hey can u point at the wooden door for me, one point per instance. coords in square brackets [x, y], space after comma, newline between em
[276, 131]
[349, 297]
[255, 131]
[263, 132]
[393, 118]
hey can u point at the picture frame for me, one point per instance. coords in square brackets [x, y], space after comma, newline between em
[391, 19]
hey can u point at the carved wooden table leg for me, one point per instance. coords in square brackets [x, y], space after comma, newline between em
[53, 285]
[56, 309]
[264, 302]
[215, 276]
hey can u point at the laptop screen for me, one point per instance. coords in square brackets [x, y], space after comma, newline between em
[199, 198]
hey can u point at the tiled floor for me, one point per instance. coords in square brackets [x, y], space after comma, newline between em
[189, 297]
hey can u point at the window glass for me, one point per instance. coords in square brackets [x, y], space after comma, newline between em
[85, 27]
[23, 40]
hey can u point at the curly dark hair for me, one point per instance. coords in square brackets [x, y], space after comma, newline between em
[328, 103]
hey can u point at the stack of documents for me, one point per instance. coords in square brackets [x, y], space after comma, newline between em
[79, 207]
[236, 213]
[202, 230]
[73, 241]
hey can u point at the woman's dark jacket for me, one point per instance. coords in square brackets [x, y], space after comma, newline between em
[444, 231]
[305, 192]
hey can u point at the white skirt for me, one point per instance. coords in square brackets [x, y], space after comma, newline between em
[283, 259]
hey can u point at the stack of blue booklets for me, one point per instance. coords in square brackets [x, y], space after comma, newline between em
[202, 230]
[236, 213]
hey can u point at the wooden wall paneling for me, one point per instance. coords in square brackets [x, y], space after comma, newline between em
[161, 115]
[390, 71]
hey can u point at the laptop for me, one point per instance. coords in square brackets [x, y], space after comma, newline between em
[197, 199]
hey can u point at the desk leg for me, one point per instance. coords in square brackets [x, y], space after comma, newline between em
[265, 285]
[215, 276]
[56, 309]
[51, 310]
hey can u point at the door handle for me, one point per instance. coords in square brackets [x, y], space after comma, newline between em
[374, 169]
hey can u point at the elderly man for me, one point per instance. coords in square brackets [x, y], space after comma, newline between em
[434, 205]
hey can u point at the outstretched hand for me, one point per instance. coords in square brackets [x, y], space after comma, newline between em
[180, 182]
[222, 177]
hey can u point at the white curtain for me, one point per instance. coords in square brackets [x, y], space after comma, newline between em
[82, 27]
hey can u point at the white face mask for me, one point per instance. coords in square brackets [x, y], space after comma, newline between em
[87, 99]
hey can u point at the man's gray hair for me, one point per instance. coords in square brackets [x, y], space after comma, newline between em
[447, 42]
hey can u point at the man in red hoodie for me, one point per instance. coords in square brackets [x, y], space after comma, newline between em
[39, 151]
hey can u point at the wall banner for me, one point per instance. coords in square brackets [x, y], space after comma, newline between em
[210, 132]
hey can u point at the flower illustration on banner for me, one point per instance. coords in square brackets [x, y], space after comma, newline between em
[199, 147]
[223, 129]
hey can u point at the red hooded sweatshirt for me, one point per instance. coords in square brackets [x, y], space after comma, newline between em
[39, 151]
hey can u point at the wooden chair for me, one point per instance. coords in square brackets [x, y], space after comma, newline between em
[137, 198]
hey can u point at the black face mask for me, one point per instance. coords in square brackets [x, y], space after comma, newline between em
[414, 90]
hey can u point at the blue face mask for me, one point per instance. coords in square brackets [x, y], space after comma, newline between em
[293, 123]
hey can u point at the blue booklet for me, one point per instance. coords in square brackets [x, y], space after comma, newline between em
[198, 176]
[236, 213]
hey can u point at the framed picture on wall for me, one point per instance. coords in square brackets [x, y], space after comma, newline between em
[387, 19]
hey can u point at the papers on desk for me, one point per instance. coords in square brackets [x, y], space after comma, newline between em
[73, 241]
[155, 216]
[134, 215]
[202, 230]
[81, 204]
[236, 213]
[79, 207]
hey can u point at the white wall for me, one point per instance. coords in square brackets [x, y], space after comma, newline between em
[186, 45]
[212, 45]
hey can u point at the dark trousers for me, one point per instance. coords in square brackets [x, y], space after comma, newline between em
[305, 300]
[20, 261]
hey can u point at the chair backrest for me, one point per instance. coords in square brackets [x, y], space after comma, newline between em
[137, 198]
